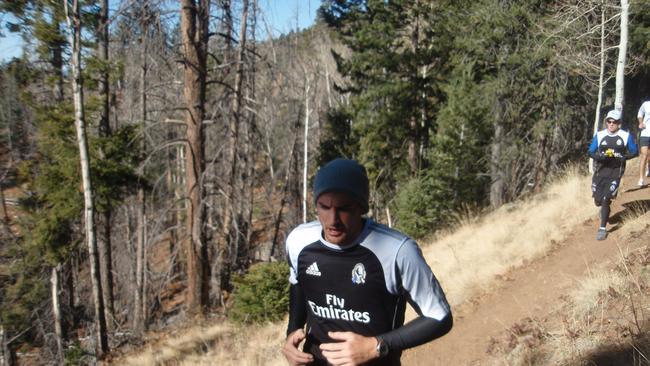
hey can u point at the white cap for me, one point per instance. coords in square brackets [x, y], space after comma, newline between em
[614, 114]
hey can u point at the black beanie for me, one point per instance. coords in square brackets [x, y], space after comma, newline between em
[343, 175]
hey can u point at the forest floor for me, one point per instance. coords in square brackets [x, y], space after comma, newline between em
[531, 300]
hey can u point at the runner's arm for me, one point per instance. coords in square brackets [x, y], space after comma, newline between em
[416, 332]
[297, 309]
[425, 295]
[641, 115]
[593, 150]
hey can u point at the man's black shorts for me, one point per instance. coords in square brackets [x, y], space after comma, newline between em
[604, 188]
[644, 141]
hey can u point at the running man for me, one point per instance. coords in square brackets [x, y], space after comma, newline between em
[610, 149]
[351, 278]
[644, 141]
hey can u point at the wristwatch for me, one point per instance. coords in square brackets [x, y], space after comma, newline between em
[382, 347]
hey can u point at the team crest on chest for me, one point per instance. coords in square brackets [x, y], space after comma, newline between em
[619, 142]
[359, 274]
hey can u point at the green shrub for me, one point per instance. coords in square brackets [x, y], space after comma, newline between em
[75, 355]
[262, 294]
[422, 206]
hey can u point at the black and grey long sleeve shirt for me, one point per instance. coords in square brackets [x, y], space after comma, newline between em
[362, 287]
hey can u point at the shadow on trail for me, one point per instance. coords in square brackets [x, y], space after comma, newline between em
[635, 353]
[630, 210]
[637, 188]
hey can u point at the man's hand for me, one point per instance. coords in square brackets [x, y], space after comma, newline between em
[291, 352]
[354, 349]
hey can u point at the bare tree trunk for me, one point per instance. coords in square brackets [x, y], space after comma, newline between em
[56, 311]
[139, 317]
[74, 25]
[622, 55]
[194, 31]
[139, 320]
[68, 279]
[601, 78]
[106, 266]
[228, 243]
[305, 161]
[249, 154]
[283, 201]
[104, 242]
[3, 205]
[328, 87]
[102, 53]
[496, 171]
[57, 65]
[414, 142]
[6, 356]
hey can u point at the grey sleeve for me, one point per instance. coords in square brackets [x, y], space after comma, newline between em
[419, 283]
[427, 298]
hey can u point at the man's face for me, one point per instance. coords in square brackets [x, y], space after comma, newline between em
[613, 125]
[340, 216]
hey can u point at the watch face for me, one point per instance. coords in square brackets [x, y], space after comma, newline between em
[383, 349]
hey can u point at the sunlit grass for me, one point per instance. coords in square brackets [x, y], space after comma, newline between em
[471, 257]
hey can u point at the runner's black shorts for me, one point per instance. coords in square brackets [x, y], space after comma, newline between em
[644, 141]
[604, 188]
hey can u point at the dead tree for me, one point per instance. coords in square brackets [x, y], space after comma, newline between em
[139, 311]
[6, 355]
[74, 26]
[195, 18]
[622, 57]
[104, 242]
[228, 240]
[55, 279]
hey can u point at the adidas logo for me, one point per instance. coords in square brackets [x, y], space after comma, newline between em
[313, 270]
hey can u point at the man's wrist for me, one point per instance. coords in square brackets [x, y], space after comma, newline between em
[381, 350]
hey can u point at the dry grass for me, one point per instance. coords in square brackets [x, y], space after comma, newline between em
[465, 261]
[470, 258]
[223, 344]
[606, 319]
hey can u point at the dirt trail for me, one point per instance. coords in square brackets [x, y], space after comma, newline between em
[531, 291]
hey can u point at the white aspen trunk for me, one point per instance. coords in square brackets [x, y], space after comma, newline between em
[622, 54]
[327, 84]
[601, 78]
[390, 221]
[6, 358]
[56, 311]
[3, 205]
[305, 153]
[74, 26]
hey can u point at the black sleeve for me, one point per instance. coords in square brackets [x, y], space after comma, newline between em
[416, 332]
[597, 156]
[297, 309]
